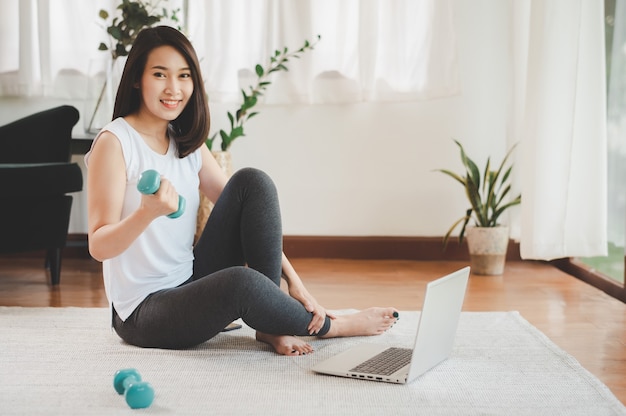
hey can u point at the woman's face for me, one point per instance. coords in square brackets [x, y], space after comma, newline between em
[166, 84]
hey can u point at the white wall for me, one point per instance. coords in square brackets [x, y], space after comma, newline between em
[366, 169]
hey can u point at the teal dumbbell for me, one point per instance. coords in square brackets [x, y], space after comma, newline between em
[150, 182]
[138, 394]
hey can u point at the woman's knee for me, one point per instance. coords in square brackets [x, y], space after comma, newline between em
[253, 177]
[248, 282]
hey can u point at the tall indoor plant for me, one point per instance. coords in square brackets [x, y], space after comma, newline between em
[488, 194]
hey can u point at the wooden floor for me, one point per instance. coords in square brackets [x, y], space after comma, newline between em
[582, 320]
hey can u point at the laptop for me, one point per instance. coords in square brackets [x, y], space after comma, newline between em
[433, 343]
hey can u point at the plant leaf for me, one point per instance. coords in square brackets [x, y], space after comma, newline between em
[487, 170]
[468, 216]
[115, 32]
[463, 219]
[237, 132]
[248, 103]
[453, 175]
[503, 208]
[226, 141]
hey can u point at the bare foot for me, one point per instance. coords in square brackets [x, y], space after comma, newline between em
[372, 321]
[285, 344]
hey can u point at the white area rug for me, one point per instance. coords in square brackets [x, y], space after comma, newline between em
[62, 361]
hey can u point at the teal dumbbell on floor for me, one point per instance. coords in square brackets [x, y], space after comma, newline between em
[138, 394]
[150, 182]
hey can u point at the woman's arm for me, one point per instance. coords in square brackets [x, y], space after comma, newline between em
[300, 293]
[212, 178]
[109, 235]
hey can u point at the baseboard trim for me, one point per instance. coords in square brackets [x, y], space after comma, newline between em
[340, 247]
[382, 248]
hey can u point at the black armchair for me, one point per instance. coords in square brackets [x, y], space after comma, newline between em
[36, 175]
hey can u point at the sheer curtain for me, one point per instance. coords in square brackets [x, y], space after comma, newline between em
[561, 115]
[45, 42]
[370, 49]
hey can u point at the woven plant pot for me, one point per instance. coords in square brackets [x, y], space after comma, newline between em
[224, 159]
[487, 249]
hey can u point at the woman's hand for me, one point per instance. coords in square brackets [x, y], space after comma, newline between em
[162, 202]
[299, 293]
[302, 295]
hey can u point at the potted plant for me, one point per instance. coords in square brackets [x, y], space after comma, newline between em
[122, 31]
[488, 194]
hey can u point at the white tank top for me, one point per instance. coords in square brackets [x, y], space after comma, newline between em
[162, 256]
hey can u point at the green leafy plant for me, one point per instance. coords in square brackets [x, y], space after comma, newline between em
[277, 62]
[135, 16]
[123, 30]
[487, 192]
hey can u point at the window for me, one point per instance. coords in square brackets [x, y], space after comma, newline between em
[608, 272]
[365, 54]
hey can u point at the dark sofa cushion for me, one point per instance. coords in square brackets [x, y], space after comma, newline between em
[22, 141]
[39, 180]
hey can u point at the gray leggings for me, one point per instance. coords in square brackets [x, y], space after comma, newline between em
[237, 272]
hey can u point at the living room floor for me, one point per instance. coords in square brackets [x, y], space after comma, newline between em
[579, 318]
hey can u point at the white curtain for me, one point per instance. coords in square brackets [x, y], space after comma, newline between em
[46, 46]
[370, 49]
[561, 114]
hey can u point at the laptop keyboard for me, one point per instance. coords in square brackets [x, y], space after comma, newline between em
[385, 363]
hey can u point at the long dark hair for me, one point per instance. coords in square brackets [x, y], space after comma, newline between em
[191, 128]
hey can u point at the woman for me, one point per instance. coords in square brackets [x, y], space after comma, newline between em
[164, 292]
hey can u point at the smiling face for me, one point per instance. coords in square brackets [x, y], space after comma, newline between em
[166, 84]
